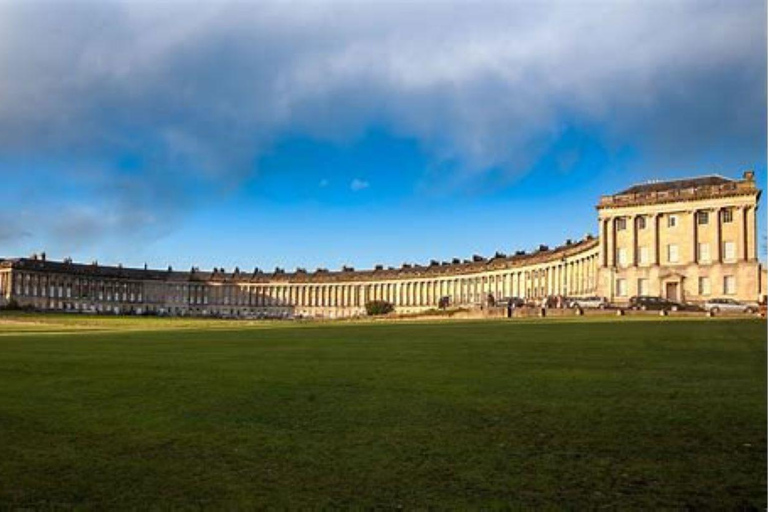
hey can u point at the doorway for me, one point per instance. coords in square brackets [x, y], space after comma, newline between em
[673, 291]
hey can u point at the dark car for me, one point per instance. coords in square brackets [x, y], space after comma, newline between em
[649, 303]
[515, 302]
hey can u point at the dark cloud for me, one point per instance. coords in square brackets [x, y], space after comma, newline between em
[197, 93]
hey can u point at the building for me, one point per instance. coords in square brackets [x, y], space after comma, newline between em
[686, 239]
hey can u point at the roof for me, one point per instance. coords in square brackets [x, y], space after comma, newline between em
[447, 269]
[681, 184]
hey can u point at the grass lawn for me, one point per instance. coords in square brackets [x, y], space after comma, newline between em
[621, 413]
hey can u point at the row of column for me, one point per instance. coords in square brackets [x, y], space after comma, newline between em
[576, 277]
[572, 276]
[743, 216]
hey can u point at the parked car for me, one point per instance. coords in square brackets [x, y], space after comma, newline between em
[588, 303]
[728, 306]
[650, 303]
[515, 302]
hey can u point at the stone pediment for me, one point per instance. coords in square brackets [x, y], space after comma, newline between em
[672, 274]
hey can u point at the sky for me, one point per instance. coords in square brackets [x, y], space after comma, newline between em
[325, 133]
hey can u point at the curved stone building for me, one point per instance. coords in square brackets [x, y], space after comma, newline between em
[684, 239]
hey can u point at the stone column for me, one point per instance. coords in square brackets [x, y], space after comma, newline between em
[633, 224]
[564, 271]
[655, 239]
[751, 233]
[579, 277]
[717, 257]
[603, 237]
[695, 236]
[742, 248]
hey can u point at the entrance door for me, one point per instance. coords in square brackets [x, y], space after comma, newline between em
[672, 291]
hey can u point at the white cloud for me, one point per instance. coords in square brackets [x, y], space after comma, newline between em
[482, 84]
[358, 184]
[200, 93]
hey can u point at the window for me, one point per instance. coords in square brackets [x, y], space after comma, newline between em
[704, 253]
[641, 222]
[642, 286]
[729, 251]
[729, 285]
[644, 256]
[672, 254]
[703, 218]
[672, 221]
[727, 215]
[704, 287]
[621, 224]
[621, 287]
[622, 257]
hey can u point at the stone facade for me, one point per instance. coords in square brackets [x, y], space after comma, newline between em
[687, 240]
[639, 251]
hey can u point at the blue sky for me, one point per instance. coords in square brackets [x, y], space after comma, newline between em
[322, 133]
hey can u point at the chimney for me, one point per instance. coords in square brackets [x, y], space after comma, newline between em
[749, 175]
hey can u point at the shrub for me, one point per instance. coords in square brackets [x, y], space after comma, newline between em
[12, 305]
[378, 307]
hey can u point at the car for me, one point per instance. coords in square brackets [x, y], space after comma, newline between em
[729, 306]
[588, 303]
[515, 302]
[651, 303]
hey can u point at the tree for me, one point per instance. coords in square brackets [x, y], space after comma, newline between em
[378, 307]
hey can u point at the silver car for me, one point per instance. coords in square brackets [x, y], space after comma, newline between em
[728, 306]
[589, 302]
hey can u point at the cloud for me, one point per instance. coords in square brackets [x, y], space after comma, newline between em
[197, 94]
[358, 184]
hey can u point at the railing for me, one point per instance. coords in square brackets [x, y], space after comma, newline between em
[700, 192]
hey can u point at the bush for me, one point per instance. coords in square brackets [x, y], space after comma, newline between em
[378, 307]
[12, 305]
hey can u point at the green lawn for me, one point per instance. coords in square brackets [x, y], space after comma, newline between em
[617, 413]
